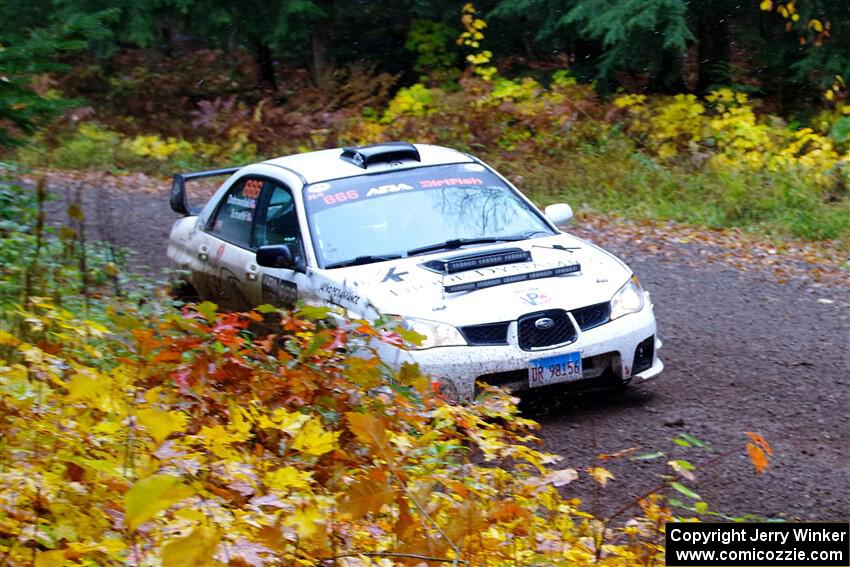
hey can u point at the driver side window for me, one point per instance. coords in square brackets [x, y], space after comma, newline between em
[279, 225]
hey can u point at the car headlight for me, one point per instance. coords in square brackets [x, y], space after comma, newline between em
[629, 299]
[436, 334]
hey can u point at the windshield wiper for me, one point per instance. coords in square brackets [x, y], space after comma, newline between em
[360, 260]
[458, 242]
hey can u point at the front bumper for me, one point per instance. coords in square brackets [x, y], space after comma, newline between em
[609, 351]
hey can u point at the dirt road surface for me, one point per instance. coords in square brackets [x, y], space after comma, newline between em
[743, 352]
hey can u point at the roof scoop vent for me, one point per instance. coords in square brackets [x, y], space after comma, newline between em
[364, 156]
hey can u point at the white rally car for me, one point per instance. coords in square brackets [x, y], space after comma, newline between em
[436, 238]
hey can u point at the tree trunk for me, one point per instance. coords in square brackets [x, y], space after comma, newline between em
[265, 61]
[321, 42]
[667, 77]
[320, 54]
[712, 50]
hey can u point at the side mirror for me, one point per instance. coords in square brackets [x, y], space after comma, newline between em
[279, 256]
[179, 201]
[560, 214]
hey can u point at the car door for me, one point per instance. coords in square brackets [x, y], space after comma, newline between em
[277, 224]
[227, 251]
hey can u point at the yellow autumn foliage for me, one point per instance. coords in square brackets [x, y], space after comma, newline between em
[266, 449]
[725, 130]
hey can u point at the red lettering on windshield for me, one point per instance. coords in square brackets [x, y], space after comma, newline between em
[449, 182]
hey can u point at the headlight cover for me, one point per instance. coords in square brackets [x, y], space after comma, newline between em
[436, 334]
[629, 299]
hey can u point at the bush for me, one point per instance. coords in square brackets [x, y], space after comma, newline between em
[185, 437]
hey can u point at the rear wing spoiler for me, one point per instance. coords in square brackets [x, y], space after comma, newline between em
[179, 198]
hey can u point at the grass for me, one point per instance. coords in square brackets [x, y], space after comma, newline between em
[616, 179]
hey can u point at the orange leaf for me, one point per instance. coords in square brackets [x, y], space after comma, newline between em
[405, 527]
[369, 429]
[466, 521]
[617, 455]
[758, 458]
[761, 442]
[367, 496]
[506, 511]
[168, 356]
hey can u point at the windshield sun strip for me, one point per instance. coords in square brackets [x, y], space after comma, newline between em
[320, 260]
[324, 264]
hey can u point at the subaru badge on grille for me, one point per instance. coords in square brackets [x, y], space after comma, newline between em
[544, 323]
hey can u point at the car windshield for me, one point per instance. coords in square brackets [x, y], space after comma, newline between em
[370, 218]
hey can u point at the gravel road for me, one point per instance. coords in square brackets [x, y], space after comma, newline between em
[742, 353]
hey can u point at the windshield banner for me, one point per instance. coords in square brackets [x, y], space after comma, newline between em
[320, 196]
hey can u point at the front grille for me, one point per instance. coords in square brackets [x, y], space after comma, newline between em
[488, 334]
[531, 336]
[563, 331]
[643, 355]
[592, 315]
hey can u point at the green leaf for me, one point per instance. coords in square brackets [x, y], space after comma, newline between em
[693, 440]
[680, 442]
[150, 496]
[701, 507]
[840, 131]
[99, 465]
[682, 489]
[208, 309]
[314, 313]
[266, 308]
[648, 456]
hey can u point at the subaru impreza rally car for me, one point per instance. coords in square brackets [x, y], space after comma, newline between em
[434, 238]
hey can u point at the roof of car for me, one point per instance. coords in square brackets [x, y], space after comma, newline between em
[324, 165]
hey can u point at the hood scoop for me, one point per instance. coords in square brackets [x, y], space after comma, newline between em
[480, 260]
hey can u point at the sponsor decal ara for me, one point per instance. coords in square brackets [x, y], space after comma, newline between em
[385, 189]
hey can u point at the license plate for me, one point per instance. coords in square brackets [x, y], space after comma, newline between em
[554, 369]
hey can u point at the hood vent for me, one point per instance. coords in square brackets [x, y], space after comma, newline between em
[539, 274]
[478, 261]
